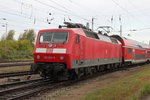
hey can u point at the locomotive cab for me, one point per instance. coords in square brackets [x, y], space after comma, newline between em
[52, 53]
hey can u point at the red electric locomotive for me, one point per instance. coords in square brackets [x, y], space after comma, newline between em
[74, 52]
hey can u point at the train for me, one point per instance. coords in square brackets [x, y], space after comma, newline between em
[73, 51]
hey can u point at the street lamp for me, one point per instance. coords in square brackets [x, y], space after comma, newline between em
[3, 18]
[5, 25]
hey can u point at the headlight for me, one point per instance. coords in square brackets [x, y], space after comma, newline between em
[38, 57]
[62, 57]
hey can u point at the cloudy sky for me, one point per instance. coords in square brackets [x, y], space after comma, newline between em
[44, 14]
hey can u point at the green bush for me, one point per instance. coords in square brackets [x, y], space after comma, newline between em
[13, 50]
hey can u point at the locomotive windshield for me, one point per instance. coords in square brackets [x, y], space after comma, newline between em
[53, 37]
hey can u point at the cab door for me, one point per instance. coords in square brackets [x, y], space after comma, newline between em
[79, 49]
[82, 47]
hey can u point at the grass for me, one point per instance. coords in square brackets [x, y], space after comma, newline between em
[14, 69]
[129, 88]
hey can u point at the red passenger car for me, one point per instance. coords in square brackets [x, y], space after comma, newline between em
[133, 51]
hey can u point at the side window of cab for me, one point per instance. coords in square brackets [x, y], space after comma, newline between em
[77, 38]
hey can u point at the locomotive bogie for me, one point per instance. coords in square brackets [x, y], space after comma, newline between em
[55, 71]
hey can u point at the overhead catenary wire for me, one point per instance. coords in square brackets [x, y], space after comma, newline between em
[64, 7]
[66, 11]
[69, 14]
[58, 4]
[62, 10]
[34, 18]
[18, 14]
[125, 10]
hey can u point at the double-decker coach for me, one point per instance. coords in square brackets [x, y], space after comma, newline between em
[132, 51]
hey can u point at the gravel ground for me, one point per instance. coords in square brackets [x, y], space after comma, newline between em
[79, 89]
[21, 78]
[146, 98]
[16, 69]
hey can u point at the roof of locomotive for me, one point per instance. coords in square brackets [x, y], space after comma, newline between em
[81, 30]
[129, 42]
[85, 32]
[76, 30]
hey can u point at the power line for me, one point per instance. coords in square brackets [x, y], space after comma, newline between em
[121, 7]
[55, 8]
[125, 9]
[49, 6]
[62, 10]
[58, 4]
[23, 27]
[34, 19]
[10, 13]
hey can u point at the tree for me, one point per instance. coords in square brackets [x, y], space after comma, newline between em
[28, 35]
[31, 35]
[3, 37]
[11, 49]
[10, 35]
[23, 36]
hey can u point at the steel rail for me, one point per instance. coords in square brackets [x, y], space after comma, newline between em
[12, 74]
[4, 85]
[33, 92]
[23, 87]
[15, 61]
[47, 86]
[14, 65]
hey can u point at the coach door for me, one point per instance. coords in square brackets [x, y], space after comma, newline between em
[133, 54]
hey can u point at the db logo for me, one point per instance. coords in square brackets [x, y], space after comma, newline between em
[51, 57]
[50, 45]
[49, 50]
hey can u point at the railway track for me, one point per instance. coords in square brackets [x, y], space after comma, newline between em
[16, 61]
[6, 85]
[12, 74]
[26, 90]
[29, 89]
[15, 64]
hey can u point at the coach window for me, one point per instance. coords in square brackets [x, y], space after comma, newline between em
[77, 39]
[129, 50]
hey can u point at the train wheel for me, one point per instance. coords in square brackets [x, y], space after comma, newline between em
[80, 72]
[34, 68]
[72, 75]
[42, 74]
